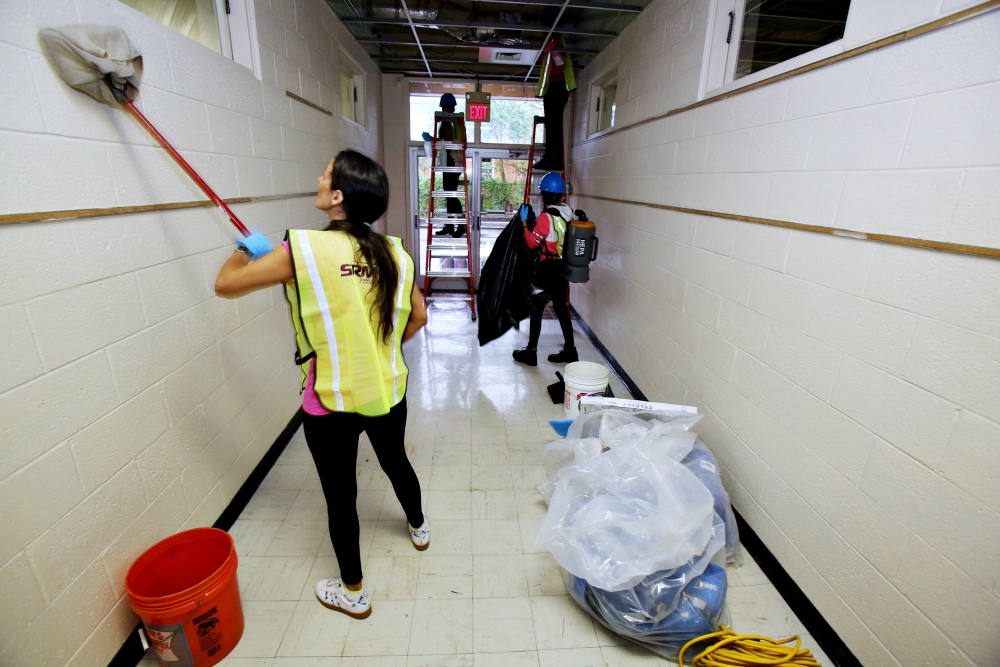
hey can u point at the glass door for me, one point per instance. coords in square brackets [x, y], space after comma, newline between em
[497, 179]
[451, 251]
[500, 191]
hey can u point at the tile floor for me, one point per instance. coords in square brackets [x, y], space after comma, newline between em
[482, 595]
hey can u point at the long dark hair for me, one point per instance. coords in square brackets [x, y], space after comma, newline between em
[365, 187]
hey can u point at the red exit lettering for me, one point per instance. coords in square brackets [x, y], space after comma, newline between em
[479, 112]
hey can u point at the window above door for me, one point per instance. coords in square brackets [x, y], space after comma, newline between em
[225, 26]
[751, 40]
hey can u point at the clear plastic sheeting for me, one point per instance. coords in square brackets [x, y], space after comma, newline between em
[560, 454]
[591, 434]
[629, 512]
[640, 522]
[615, 426]
[667, 608]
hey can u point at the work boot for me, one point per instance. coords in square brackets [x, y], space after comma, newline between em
[527, 356]
[546, 164]
[447, 230]
[460, 232]
[567, 355]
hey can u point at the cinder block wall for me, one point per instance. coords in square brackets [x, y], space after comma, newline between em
[852, 388]
[133, 402]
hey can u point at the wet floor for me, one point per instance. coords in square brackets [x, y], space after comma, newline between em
[482, 595]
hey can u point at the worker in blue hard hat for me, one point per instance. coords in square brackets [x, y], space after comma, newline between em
[549, 275]
[450, 131]
[555, 82]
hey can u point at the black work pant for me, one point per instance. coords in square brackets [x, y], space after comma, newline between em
[450, 182]
[553, 103]
[333, 441]
[555, 290]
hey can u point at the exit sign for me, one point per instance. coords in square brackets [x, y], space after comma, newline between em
[477, 107]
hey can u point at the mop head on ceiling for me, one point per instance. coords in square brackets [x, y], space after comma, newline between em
[84, 55]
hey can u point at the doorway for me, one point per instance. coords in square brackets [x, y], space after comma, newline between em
[496, 180]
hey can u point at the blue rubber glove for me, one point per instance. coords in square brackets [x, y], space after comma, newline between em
[427, 136]
[257, 244]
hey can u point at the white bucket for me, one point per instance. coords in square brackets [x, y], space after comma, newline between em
[583, 378]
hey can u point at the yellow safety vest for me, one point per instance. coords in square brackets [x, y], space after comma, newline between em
[331, 303]
[557, 233]
[546, 73]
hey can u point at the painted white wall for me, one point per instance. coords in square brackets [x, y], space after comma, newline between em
[133, 402]
[852, 388]
[396, 138]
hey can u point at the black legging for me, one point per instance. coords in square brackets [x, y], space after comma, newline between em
[556, 291]
[333, 441]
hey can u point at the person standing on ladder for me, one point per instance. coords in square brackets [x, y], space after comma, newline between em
[555, 82]
[548, 234]
[352, 303]
[450, 131]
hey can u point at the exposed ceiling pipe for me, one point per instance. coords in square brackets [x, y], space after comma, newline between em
[432, 59]
[489, 26]
[353, 9]
[419, 46]
[578, 4]
[454, 73]
[461, 45]
[546, 40]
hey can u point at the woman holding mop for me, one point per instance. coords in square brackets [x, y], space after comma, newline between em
[352, 305]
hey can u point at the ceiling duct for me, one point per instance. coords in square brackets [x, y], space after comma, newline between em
[506, 56]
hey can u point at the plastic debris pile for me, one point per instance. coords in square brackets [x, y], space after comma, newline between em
[640, 522]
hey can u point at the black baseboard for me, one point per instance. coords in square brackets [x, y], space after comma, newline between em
[243, 496]
[815, 624]
[131, 651]
[610, 358]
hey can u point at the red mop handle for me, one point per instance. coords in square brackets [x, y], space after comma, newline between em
[186, 167]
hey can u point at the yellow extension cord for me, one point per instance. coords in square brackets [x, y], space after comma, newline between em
[733, 650]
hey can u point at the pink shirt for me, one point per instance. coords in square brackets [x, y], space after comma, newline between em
[310, 399]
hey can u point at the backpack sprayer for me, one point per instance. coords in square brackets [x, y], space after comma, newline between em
[580, 239]
[579, 247]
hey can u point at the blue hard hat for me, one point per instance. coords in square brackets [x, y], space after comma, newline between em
[447, 98]
[553, 182]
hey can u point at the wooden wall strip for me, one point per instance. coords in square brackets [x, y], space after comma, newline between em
[979, 251]
[45, 216]
[307, 102]
[857, 51]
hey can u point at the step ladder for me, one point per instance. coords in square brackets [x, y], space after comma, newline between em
[446, 247]
[529, 189]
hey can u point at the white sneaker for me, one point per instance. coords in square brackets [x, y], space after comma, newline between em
[421, 536]
[333, 595]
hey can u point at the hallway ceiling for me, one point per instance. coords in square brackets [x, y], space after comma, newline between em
[451, 33]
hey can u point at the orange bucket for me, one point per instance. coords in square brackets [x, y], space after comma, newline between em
[184, 589]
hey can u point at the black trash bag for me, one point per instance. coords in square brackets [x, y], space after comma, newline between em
[505, 294]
